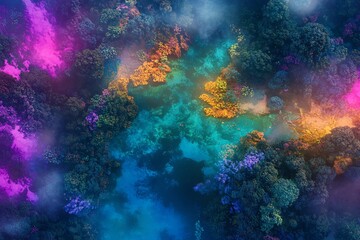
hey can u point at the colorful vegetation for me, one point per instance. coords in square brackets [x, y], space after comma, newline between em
[156, 68]
[249, 131]
[221, 107]
[313, 125]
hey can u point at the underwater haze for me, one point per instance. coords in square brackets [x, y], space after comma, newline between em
[179, 119]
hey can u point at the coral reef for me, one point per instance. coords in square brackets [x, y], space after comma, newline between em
[112, 120]
[221, 107]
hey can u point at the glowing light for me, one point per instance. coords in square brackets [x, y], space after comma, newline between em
[42, 39]
[258, 108]
[303, 6]
[27, 145]
[11, 69]
[314, 125]
[341, 163]
[15, 188]
[353, 97]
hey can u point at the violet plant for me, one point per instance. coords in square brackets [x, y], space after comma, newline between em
[78, 205]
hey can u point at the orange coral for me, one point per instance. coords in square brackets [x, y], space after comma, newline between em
[175, 47]
[219, 113]
[253, 138]
[341, 164]
[130, 13]
[150, 70]
[219, 106]
[156, 69]
[120, 85]
[123, 22]
[134, 12]
[164, 50]
[120, 88]
[184, 42]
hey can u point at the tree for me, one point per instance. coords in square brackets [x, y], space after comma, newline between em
[86, 30]
[349, 230]
[30, 99]
[276, 27]
[5, 48]
[90, 64]
[341, 141]
[115, 112]
[312, 43]
[285, 192]
[110, 16]
[270, 216]
[114, 32]
[254, 64]
[279, 81]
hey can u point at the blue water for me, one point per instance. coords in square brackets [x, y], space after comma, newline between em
[168, 148]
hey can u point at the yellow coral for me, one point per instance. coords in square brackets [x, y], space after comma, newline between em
[208, 99]
[120, 85]
[234, 50]
[219, 106]
[220, 113]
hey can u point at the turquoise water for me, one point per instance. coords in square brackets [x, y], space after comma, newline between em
[171, 129]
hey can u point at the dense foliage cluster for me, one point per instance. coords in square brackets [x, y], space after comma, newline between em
[286, 190]
[312, 58]
[67, 69]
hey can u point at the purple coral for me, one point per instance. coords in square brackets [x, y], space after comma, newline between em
[352, 27]
[7, 116]
[92, 119]
[349, 29]
[225, 180]
[203, 188]
[291, 59]
[337, 41]
[252, 159]
[106, 92]
[311, 19]
[235, 207]
[229, 168]
[225, 200]
[77, 206]
[121, 7]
